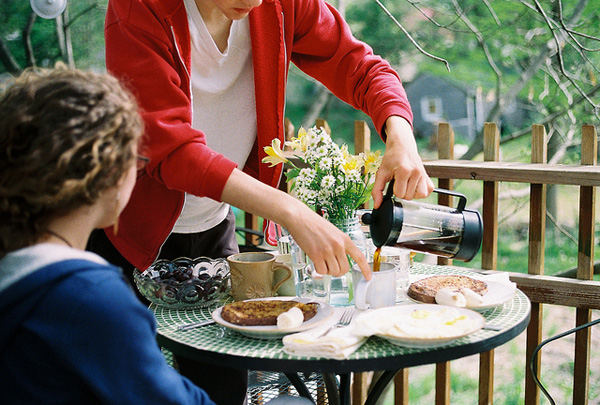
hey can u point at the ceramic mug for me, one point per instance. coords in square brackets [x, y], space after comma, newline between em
[253, 275]
[378, 292]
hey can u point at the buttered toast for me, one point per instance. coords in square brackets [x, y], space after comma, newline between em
[263, 312]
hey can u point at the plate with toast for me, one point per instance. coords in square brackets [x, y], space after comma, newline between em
[257, 318]
[477, 293]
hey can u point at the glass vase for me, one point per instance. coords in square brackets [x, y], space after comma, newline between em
[340, 288]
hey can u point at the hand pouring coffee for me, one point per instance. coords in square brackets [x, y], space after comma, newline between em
[443, 231]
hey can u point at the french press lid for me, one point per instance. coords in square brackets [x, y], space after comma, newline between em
[385, 223]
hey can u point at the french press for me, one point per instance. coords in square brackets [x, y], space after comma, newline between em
[443, 231]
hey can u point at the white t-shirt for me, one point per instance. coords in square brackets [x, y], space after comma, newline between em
[224, 108]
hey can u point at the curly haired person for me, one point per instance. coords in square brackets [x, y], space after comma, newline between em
[72, 330]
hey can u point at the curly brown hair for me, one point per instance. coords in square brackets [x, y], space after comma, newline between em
[66, 136]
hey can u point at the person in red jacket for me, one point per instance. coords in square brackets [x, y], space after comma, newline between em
[210, 77]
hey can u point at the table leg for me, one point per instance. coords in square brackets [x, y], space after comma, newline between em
[345, 389]
[333, 396]
[379, 386]
[299, 385]
[337, 395]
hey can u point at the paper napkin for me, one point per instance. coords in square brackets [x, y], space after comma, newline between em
[338, 344]
[467, 298]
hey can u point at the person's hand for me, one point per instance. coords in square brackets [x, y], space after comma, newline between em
[402, 162]
[327, 246]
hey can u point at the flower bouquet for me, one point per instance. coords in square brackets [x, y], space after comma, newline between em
[332, 181]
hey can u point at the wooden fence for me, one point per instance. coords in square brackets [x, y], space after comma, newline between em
[581, 293]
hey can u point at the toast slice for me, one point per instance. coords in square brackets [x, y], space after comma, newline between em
[263, 312]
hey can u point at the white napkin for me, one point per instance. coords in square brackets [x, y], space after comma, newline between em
[338, 344]
[500, 277]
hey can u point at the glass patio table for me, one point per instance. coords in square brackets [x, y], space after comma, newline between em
[215, 344]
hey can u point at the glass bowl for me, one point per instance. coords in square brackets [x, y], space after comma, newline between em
[184, 283]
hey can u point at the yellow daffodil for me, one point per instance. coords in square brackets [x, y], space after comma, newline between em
[303, 139]
[274, 154]
[345, 153]
[353, 162]
[372, 162]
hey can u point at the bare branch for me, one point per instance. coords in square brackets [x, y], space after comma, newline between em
[492, 12]
[30, 57]
[551, 117]
[80, 14]
[8, 60]
[559, 54]
[434, 22]
[411, 39]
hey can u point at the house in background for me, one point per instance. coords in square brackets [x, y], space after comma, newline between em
[436, 100]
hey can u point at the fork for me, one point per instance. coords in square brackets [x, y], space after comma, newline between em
[345, 320]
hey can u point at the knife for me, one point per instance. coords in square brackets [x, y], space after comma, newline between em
[195, 324]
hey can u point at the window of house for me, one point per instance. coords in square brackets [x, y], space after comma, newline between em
[431, 109]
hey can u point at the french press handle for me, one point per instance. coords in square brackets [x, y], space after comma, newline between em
[462, 200]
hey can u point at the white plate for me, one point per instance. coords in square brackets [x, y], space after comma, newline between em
[400, 313]
[497, 294]
[324, 311]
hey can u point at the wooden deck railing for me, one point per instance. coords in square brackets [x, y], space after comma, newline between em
[581, 293]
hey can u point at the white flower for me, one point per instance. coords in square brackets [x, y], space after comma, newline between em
[354, 176]
[328, 182]
[338, 161]
[307, 175]
[311, 195]
[325, 164]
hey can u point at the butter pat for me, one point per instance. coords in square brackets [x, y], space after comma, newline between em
[446, 296]
[292, 318]
[473, 299]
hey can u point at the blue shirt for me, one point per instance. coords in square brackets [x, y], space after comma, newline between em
[73, 332]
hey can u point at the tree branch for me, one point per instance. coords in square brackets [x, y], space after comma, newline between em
[29, 56]
[8, 60]
[410, 38]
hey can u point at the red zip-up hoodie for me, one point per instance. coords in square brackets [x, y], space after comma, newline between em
[148, 48]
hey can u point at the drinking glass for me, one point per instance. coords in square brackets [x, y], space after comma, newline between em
[302, 270]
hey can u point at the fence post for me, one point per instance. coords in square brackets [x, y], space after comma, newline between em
[585, 267]
[489, 250]
[537, 227]
[321, 123]
[489, 244]
[445, 143]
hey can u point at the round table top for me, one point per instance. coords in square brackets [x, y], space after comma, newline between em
[218, 345]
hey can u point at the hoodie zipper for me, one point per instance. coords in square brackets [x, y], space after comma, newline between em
[191, 114]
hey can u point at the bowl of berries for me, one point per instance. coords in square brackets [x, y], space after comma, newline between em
[184, 283]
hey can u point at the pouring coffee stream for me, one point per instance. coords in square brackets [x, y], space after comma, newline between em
[428, 228]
